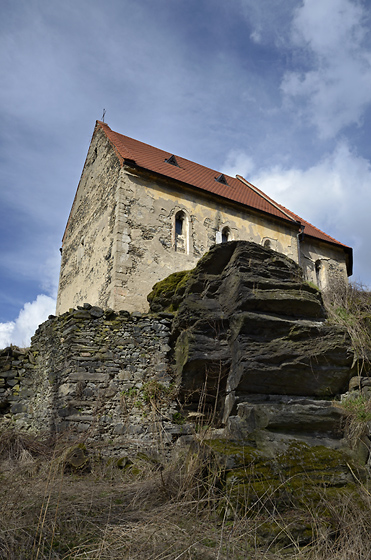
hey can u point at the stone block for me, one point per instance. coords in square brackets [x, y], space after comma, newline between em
[124, 375]
[12, 382]
[88, 376]
[18, 407]
[355, 382]
[80, 418]
[8, 374]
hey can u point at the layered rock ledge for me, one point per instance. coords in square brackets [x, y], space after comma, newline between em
[253, 349]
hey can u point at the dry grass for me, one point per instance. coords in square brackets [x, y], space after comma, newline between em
[149, 512]
[349, 305]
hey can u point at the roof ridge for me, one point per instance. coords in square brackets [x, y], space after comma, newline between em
[305, 222]
[198, 176]
[266, 197]
[166, 152]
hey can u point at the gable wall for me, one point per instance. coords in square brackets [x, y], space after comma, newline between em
[86, 267]
[322, 264]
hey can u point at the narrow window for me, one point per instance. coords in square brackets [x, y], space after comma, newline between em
[318, 267]
[179, 219]
[180, 232]
[226, 235]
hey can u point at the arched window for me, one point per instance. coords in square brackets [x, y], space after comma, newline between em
[179, 222]
[226, 235]
[318, 268]
[267, 244]
[180, 230]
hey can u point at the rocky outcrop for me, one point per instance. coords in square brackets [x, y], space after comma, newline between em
[254, 353]
[253, 348]
[237, 369]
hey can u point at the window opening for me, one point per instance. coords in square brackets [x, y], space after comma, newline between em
[179, 224]
[267, 244]
[226, 235]
[180, 232]
[318, 267]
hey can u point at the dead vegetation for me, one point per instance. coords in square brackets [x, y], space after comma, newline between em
[349, 305]
[120, 509]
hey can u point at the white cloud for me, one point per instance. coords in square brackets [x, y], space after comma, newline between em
[6, 331]
[333, 195]
[50, 273]
[269, 20]
[19, 332]
[335, 86]
[256, 36]
[238, 163]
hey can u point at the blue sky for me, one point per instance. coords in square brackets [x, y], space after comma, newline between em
[276, 90]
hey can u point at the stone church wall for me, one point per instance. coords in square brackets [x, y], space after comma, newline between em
[121, 238]
[86, 265]
[323, 265]
[145, 249]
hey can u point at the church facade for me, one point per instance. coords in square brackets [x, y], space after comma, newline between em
[141, 213]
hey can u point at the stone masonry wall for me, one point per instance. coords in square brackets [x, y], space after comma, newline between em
[97, 374]
[86, 264]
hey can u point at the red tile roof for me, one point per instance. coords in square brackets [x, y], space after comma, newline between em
[132, 151]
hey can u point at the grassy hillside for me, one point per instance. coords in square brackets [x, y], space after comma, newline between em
[154, 510]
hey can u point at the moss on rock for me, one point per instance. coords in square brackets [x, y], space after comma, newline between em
[166, 295]
[299, 477]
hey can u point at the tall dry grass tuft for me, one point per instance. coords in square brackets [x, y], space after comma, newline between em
[349, 305]
[343, 532]
[14, 445]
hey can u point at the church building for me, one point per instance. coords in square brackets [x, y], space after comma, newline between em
[141, 213]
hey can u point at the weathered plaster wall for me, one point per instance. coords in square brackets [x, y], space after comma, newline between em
[322, 264]
[121, 237]
[86, 267]
[144, 247]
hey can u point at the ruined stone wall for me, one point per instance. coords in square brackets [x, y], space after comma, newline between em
[17, 366]
[94, 374]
